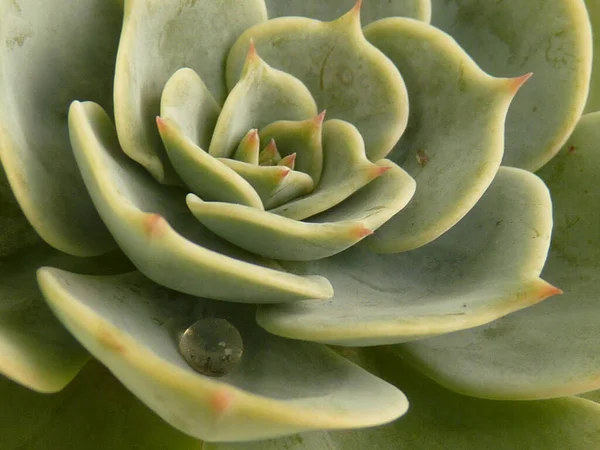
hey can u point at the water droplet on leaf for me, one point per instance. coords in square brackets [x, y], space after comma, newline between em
[212, 346]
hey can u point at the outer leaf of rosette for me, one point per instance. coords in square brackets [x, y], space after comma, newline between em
[455, 138]
[155, 229]
[511, 37]
[593, 100]
[94, 412]
[279, 386]
[346, 75]
[370, 10]
[439, 419]
[261, 96]
[275, 185]
[49, 56]
[274, 236]
[552, 349]
[35, 349]
[485, 267]
[17, 232]
[304, 138]
[159, 38]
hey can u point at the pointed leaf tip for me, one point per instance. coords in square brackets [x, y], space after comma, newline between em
[377, 171]
[360, 231]
[221, 401]
[357, 7]
[548, 290]
[514, 84]
[289, 161]
[320, 118]
[154, 225]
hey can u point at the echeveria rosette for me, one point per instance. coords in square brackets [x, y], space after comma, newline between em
[347, 179]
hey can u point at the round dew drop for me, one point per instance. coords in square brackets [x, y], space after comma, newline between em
[212, 346]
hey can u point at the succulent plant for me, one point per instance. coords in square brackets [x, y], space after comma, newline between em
[275, 223]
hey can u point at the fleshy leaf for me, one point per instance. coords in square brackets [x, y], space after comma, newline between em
[454, 142]
[275, 185]
[371, 10]
[552, 349]
[346, 75]
[155, 229]
[203, 174]
[94, 412]
[187, 102]
[249, 148]
[35, 349]
[17, 232]
[274, 236]
[50, 56]
[593, 100]
[303, 138]
[132, 326]
[261, 96]
[511, 37]
[442, 420]
[485, 267]
[159, 38]
[346, 169]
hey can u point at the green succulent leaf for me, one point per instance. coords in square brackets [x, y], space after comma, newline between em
[94, 412]
[187, 102]
[35, 349]
[485, 267]
[552, 349]
[327, 234]
[441, 420]
[203, 174]
[346, 75]
[261, 96]
[158, 233]
[370, 11]
[157, 39]
[304, 138]
[454, 142]
[275, 185]
[17, 232]
[39, 76]
[553, 40]
[346, 170]
[593, 100]
[132, 326]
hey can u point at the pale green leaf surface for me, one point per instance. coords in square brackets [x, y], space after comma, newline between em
[187, 102]
[261, 96]
[158, 38]
[275, 185]
[203, 174]
[371, 10]
[274, 236]
[155, 229]
[508, 38]
[50, 56]
[346, 75]
[454, 141]
[551, 349]
[94, 412]
[279, 386]
[346, 169]
[305, 138]
[442, 420]
[487, 266]
[593, 100]
[35, 349]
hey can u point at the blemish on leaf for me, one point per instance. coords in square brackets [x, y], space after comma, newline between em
[221, 401]
[154, 225]
[422, 157]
